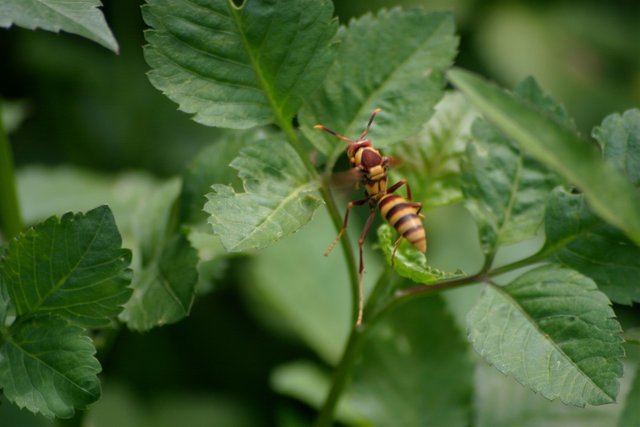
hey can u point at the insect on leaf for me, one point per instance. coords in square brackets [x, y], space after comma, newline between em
[48, 366]
[239, 67]
[81, 17]
[378, 66]
[73, 266]
[554, 332]
[408, 261]
[279, 198]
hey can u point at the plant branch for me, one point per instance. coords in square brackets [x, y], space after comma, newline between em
[10, 218]
[334, 213]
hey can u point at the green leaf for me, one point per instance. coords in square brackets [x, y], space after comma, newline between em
[404, 379]
[408, 261]
[239, 67]
[279, 198]
[619, 138]
[580, 240]
[551, 142]
[394, 61]
[430, 160]
[554, 332]
[47, 366]
[504, 191]
[80, 17]
[166, 274]
[74, 267]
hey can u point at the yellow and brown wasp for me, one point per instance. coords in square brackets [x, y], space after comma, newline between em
[403, 214]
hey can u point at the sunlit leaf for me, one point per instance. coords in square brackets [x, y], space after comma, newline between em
[279, 198]
[74, 267]
[239, 66]
[553, 143]
[47, 366]
[378, 66]
[80, 17]
[554, 332]
[408, 261]
[430, 160]
[578, 239]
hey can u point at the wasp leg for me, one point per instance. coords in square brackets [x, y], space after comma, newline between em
[418, 207]
[395, 248]
[363, 236]
[344, 224]
[399, 184]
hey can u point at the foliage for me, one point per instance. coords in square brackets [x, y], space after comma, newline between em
[515, 160]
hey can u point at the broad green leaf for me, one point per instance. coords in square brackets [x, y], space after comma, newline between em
[580, 240]
[504, 191]
[502, 402]
[279, 198]
[166, 275]
[81, 17]
[619, 138]
[394, 60]
[47, 366]
[73, 266]
[554, 332]
[239, 67]
[551, 142]
[430, 160]
[414, 369]
[408, 261]
[631, 413]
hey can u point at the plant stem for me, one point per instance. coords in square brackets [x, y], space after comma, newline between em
[340, 376]
[10, 219]
[334, 213]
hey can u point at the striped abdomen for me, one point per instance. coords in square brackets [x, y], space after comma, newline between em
[404, 218]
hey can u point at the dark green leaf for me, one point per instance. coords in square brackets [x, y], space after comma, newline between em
[554, 332]
[580, 240]
[404, 379]
[242, 66]
[279, 198]
[619, 138]
[80, 17]
[430, 161]
[73, 266]
[408, 261]
[504, 191]
[554, 144]
[47, 366]
[380, 66]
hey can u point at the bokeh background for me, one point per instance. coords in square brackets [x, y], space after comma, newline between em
[75, 104]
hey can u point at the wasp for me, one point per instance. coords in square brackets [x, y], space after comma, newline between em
[403, 214]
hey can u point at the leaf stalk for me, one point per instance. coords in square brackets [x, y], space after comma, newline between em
[10, 219]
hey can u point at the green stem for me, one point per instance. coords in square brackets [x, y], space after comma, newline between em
[10, 219]
[340, 376]
[334, 213]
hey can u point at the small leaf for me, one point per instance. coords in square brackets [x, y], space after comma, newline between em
[378, 66]
[580, 240]
[47, 366]
[408, 261]
[505, 191]
[554, 332]
[619, 138]
[430, 160]
[163, 290]
[80, 17]
[551, 142]
[239, 67]
[279, 198]
[404, 379]
[74, 267]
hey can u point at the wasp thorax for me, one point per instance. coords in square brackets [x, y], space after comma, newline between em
[370, 158]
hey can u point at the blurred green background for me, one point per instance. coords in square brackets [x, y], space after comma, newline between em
[80, 105]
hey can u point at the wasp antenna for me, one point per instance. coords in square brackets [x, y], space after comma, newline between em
[326, 129]
[373, 116]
